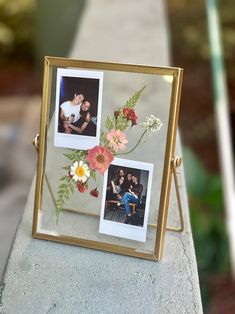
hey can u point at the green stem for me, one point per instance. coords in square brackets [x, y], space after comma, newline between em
[130, 151]
[98, 181]
[57, 217]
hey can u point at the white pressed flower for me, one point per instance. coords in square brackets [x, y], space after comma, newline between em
[152, 124]
[80, 171]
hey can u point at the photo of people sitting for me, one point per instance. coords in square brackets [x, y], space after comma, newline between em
[78, 106]
[75, 117]
[126, 195]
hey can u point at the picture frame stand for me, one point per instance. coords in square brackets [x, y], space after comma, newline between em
[175, 164]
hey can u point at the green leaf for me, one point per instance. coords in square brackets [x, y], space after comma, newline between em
[63, 194]
[64, 178]
[93, 174]
[76, 155]
[121, 123]
[71, 157]
[102, 137]
[131, 102]
[80, 154]
[110, 123]
[71, 187]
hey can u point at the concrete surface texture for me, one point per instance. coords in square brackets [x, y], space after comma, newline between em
[19, 122]
[46, 277]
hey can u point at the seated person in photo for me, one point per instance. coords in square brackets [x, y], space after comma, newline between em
[83, 125]
[132, 196]
[128, 182]
[70, 112]
[117, 188]
[115, 181]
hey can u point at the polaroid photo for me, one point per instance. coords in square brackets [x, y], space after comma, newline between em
[78, 108]
[126, 199]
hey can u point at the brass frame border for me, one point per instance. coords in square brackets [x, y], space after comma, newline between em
[169, 156]
[169, 161]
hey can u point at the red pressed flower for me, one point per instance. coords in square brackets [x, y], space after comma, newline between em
[99, 158]
[81, 187]
[129, 113]
[126, 111]
[133, 122]
[94, 192]
[132, 115]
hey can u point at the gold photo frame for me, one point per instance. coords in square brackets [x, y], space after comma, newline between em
[127, 117]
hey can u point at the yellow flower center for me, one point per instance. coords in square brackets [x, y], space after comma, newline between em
[80, 171]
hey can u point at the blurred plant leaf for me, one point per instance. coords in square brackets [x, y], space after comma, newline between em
[195, 173]
[207, 216]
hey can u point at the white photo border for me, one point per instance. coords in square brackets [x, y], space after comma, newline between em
[82, 142]
[122, 230]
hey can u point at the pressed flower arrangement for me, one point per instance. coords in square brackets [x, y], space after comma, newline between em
[85, 164]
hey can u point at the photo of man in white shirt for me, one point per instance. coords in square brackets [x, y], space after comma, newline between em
[70, 111]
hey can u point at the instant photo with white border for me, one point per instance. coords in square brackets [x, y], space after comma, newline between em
[119, 229]
[78, 141]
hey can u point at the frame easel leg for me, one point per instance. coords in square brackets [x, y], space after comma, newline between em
[175, 164]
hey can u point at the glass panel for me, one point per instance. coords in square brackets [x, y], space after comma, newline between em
[80, 217]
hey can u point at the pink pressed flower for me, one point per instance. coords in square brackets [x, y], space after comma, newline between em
[117, 139]
[99, 158]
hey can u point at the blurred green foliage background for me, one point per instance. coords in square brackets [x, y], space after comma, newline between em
[17, 32]
[208, 223]
[31, 29]
[190, 49]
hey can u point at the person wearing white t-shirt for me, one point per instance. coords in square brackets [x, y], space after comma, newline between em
[70, 111]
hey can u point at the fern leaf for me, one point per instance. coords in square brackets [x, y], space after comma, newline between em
[109, 123]
[131, 102]
[93, 174]
[121, 123]
[64, 192]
